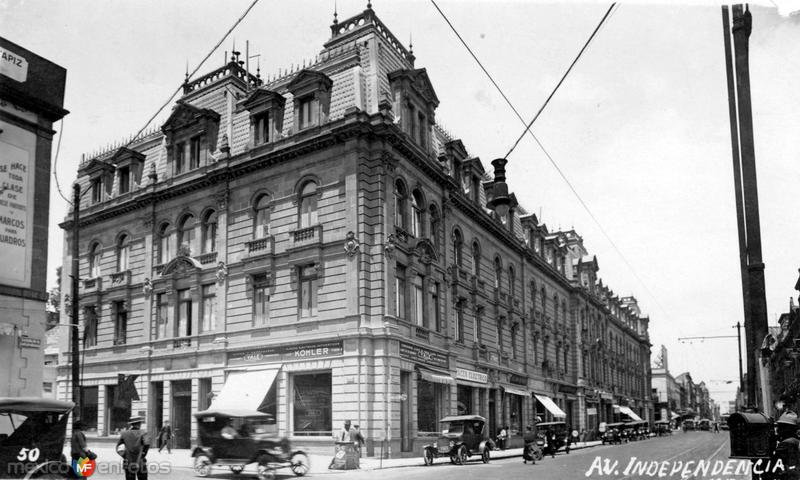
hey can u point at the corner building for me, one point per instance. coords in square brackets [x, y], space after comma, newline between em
[318, 240]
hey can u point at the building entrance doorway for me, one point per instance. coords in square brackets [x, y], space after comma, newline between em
[181, 414]
[156, 408]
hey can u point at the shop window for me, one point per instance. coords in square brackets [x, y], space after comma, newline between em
[308, 205]
[464, 400]
[123, 253]
[515, 414]
[90, 326]
[309, 284]
[120, 323]
[209, 232]
[400, 291]
[95, 255]
[260, 300]
[88, 411]
[312, 412]
[119, 409]
[164, 244]
[183, 323]
[162, 315]
[209, 308]
[419, 301]
[186, 235]
[261, 217]
[431, 398]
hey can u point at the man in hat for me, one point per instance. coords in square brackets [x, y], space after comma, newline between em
[78, 448]
[788, 449]
[136, 444]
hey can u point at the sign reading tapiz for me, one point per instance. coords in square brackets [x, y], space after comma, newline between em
[418, 354]
[285, 353]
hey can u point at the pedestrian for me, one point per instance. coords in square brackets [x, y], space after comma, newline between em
[716, 427]
[530, 446]
[344, 435]
[132, 446]
[583, 435]
[551, 442]
[502, 437]
[77, 446]
[787, 451]
[358, 442]
[165, 437]
[341, 451]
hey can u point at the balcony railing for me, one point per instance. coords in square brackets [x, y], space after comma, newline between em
[92, 284]
[422, 333]
[182, 343]
[207, 258]
[260, 246]
[307, 236]
[120, 278]
[119, 339]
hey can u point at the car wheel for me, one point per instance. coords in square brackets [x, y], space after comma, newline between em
[265, 473]
[236, 469]
[485, 455]
[427, 456]
[299, 463]
[202, 465]
[462, 455]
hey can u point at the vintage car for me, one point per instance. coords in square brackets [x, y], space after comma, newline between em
[560, 434]
[462, 436]
[614, 433]
[704, 424]
[662, 427]
[235, 439]
[32, 432]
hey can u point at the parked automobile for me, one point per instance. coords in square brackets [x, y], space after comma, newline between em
[723, 421]
[32, 432]
[560, 435]
[704, 424]
[688, 425]
[662, 428]
[235, 439]
[462, 437]
[613, 434]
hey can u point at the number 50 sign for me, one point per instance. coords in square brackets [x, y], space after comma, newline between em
[28, 455]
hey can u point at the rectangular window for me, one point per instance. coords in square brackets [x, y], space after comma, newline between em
[260, 300]
[180, 157]
[307, 111]
[312, 412]
[434, 293]
[459, 332]
[97, 190]
[161, 315]
[183, 325]
[412, 117]
[422, 136]
[194, 153]
[262, 128]
[124, 180]
[309, 283]
[400, 291]
[209, 308]
[120, 323]
[118, 403]
[419, 302]
[478, 326]
[90, 326]
[88, 411]
[431, 405]
[204, 399]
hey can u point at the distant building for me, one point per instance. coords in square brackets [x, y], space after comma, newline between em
[666, 392]
[782, 346]
[31, 100]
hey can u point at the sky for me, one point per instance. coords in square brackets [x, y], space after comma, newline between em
[640, 127]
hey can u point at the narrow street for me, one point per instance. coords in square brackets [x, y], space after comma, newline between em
[659, 457]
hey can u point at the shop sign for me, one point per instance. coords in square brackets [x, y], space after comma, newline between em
[13, 65]
[591, 411]
[517, 380]
[568, 389]
[472, 376]
[423, 355]
[29, 342]
[288, 353]
[606, 396]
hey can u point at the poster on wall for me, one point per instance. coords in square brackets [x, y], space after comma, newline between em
[16, 205]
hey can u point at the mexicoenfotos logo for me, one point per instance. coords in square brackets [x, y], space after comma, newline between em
[84, 467]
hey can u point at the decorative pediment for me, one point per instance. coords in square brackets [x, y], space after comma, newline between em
[181, 264]
[185, 115]
[96, 166]
[425, 250]
[418, 80]
[474, 165]
[126, 156]
[308, 81]
[263, 99]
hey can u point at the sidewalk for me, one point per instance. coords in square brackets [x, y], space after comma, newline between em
[181, 459]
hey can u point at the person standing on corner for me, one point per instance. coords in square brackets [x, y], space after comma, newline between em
[136, 444]
[165, 437]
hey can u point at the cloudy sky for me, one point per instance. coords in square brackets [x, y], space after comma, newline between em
[640, 127]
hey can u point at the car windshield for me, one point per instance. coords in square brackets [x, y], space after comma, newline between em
[452, 427]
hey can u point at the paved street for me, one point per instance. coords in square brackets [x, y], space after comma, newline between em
[665, 457]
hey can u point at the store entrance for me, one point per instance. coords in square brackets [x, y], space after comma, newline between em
[182, 413]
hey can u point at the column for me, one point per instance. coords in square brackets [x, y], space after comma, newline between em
[102, 409]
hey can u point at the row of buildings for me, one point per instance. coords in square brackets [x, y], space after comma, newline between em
[320, 240]
[781, 357]
[676, 398]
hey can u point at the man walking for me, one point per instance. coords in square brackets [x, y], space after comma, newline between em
[165, 437]
[132, 446]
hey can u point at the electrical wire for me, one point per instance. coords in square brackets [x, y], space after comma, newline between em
[55, 163]
[549, 157]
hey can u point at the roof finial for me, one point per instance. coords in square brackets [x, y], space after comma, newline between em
[186, 77]
[335, 13]
[410, 44]
[369, 5]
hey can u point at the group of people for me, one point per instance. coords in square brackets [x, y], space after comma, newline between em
[132, 446]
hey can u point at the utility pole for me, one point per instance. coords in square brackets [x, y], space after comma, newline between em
[739, 343]
[76, 388]
[746, 193]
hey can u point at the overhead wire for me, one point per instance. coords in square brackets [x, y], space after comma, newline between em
[609, 14]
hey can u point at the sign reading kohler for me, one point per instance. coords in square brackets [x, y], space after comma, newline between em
[287, 353]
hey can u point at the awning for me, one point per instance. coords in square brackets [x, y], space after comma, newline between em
[627, 411]
[673, 415]
[436, 377]
[244, 390]
[514, 391]
[550, 405]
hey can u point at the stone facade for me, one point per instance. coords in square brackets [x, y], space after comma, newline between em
[322, 224]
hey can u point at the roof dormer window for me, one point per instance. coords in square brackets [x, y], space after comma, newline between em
[266, 116]
[312, 98]
[416, 100]
[191, 137]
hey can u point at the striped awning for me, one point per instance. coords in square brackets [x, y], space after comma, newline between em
[550, 405]
[515, 391]
[627, 411]
[436, 377]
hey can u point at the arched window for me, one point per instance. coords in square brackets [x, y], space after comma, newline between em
[94, 260]
[512, 281]
[123, 253]
[186, 234]
[458, 247]
[261, 223]
[476, 259]
[417, 211]
[209, 232]
[164, 244]
[498, 272]
[400, 204]
[308, 205]
[434, 225]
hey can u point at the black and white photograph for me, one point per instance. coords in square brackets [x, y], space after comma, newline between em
[399, 239]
